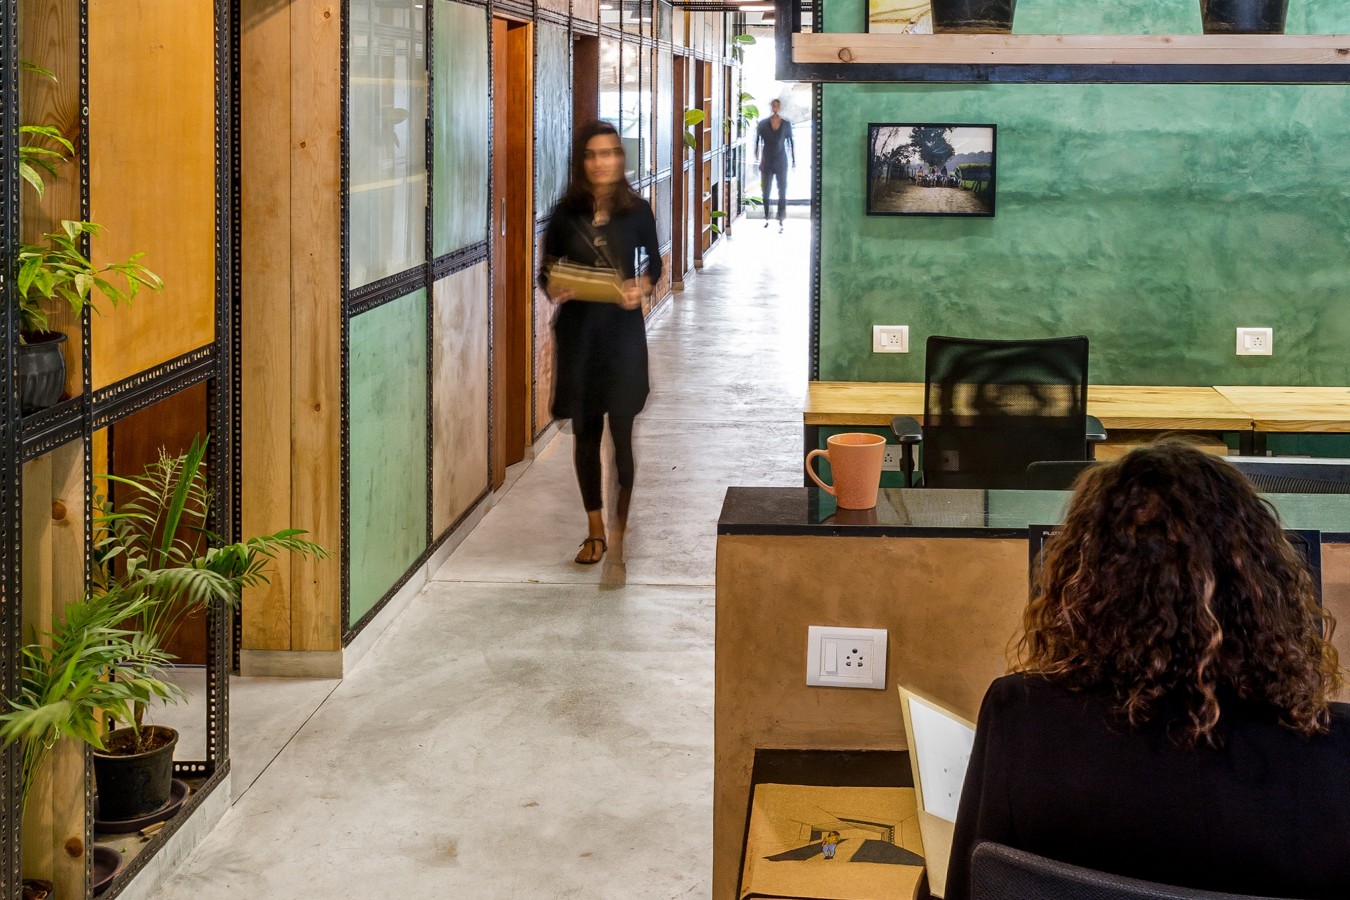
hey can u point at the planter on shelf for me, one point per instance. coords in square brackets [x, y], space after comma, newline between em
[1243, 16]
[134, 776]
[38, 889]
[973, 16]
[42, 370]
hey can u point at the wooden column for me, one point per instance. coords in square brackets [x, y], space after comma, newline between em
[292, 313]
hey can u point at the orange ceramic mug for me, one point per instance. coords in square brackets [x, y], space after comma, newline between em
[855, 460]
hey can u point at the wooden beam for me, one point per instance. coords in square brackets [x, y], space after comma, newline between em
[1072, 49]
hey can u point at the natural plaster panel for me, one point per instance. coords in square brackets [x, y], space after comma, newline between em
[552, 113]
[460, 395]
[1153, 218]
[388, 447]
[545, 312]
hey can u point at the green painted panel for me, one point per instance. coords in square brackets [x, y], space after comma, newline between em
[388, 439]
[462, 135]
[1153, 218]
[552, 115]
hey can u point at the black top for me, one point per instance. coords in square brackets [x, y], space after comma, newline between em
[1267, 814]
[774, 142]
[600, 351]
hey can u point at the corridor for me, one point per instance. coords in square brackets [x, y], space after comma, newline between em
[529, 727]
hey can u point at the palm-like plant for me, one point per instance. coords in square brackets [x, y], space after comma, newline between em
[66, 690]
[150, 546]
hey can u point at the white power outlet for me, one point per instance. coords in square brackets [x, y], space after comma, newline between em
[892, 458]
[890, 338]
[846, 657]
[1255, 341]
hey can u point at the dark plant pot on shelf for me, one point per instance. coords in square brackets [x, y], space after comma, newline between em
[1243, 16]
[38, 889]
[42, 370]
[973, 16]
[133, 784]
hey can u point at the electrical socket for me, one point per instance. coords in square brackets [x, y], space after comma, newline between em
[890, 338]
[1255, 341]
[892, 458]
[846, 657]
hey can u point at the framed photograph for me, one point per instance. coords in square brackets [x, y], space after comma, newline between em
[899, 17]
[927, 169]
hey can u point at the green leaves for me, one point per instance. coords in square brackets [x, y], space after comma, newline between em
[692, 119]
[738, 44]
[59, 270]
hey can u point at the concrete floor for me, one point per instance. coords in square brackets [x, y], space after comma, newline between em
[531, 728]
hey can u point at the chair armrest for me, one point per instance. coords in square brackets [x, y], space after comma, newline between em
[1095, 432]
[907, 430]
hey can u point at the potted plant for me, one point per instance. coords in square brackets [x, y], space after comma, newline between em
[65, 690]
[57, 269]
[1243, 16]
[973, 16]
[154, 544]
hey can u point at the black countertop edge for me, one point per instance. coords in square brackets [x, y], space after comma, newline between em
[830, 529]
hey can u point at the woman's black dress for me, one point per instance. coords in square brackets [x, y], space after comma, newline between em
[601, 348]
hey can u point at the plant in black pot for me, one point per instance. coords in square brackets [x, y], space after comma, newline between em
[1243, 16]
[973, 16]
[66, 690]
[154, 543]
[57, 270]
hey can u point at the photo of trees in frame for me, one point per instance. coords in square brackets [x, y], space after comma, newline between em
[931, 169]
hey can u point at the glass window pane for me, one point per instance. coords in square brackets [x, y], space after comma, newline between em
[665, 109]
[664, 14]
[610, 62]
[462, 135]
[388, 165]
[631, 111]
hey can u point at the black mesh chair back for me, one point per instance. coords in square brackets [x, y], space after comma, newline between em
[1295, 475]
[991, 408]
[1056, 475]
[1002, 873]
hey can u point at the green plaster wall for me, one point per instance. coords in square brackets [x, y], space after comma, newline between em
[387, 397]
[460, 107]
[1152, 218]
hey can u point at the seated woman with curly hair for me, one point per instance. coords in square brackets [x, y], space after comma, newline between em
[1170, 717]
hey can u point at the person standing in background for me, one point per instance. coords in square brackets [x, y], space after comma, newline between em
[600, 349]
[773, 149]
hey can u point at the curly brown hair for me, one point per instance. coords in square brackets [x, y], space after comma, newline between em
[1171, 587]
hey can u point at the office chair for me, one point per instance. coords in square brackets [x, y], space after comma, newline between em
[992, 407]
[1057, 474]
[1002, 873]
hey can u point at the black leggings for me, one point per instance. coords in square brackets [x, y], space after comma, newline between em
[587, 433]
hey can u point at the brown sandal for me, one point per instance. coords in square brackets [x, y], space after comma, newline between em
[584, 552]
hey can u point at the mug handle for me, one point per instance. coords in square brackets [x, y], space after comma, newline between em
[811, 470]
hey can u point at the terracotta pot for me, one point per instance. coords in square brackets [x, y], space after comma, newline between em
[973, 16]
[1243, 16]
[133, 784]
[42, 370]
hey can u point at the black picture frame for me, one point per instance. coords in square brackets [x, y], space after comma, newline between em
[907, 174]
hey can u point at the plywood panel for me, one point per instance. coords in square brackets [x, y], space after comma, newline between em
[49, 38]
[462, 132]
[316, 310]
[388, 446]
[460, 395]
[545, 312]
[586, 10]
[152, 84]
[265, 377]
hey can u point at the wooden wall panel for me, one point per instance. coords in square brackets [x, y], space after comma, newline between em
[152, 174]
[460, 395]
[53, 575]
[265, 383]
[49, 38]
[545, 312]
[316, 316]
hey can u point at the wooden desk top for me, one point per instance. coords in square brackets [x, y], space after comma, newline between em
[1122, 407]
[1324, 409]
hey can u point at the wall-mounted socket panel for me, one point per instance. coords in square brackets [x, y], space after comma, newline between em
[1255, 341]
[846, 657]
[890, 338]
[892, 458]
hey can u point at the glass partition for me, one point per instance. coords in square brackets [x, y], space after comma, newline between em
[462, 135]
[387, 108]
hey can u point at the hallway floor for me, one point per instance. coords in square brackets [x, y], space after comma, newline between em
[529, 727]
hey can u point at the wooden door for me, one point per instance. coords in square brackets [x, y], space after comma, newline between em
[512, 240]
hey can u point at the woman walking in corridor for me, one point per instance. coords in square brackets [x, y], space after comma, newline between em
[601, 347]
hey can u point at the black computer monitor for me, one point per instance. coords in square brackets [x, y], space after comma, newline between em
[1307, 541]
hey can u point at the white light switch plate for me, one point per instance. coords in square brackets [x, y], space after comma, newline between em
[846, 657]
